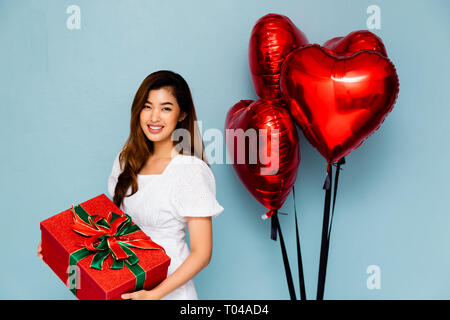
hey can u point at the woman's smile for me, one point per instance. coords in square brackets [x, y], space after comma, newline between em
[160, 115]
[154, 129]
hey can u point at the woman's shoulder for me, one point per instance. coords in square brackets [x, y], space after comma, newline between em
[188, 166]
[194, 192]
[117, 166]
[188, 160]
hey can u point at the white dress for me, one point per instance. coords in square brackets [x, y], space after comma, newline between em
[162, 204]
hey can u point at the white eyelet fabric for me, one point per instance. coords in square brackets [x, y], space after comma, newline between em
[163, 203]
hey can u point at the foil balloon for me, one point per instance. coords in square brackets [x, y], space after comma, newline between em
[267, 160]
[338, 99]
[355, 42]
[271, 40]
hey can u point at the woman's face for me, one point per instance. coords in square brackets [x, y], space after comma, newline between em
[160, 115]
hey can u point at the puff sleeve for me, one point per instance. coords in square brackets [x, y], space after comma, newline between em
[194, 193]
[113, 177]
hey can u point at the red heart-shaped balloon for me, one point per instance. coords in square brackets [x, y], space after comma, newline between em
[354, 42]
[271, 40]
[273, 140]
[338, 101]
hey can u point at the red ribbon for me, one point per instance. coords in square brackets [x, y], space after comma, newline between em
[114, 231]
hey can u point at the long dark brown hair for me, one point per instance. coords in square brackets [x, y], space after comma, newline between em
[138, 147]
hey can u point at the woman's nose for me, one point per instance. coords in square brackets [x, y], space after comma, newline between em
[154, 115]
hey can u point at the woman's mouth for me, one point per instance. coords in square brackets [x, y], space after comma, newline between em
[155, 129]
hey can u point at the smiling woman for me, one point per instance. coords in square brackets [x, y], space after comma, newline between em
[165, 191]
[162, 100]
[160, 114]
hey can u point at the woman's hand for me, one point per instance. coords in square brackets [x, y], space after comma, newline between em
[39, 252]
[141, 295]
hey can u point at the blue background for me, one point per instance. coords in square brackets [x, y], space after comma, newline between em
[65, 99]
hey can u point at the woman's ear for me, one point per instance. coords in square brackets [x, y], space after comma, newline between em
[182, 116]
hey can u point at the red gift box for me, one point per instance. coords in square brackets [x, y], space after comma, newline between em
[113, 244]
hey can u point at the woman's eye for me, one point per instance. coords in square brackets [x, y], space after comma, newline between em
[149, 107]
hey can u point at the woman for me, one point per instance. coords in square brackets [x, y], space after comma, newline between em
[166, 187]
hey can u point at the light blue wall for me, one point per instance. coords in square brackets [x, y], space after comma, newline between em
[65, 97]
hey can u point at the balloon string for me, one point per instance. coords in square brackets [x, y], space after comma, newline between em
[287, 268]
[301, 276]
[323, 247]
[273, 225]
[327, 224]
[336, 181]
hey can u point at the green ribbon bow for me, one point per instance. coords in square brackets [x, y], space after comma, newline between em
[110, 237]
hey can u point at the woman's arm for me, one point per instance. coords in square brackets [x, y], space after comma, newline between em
[200, 239]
